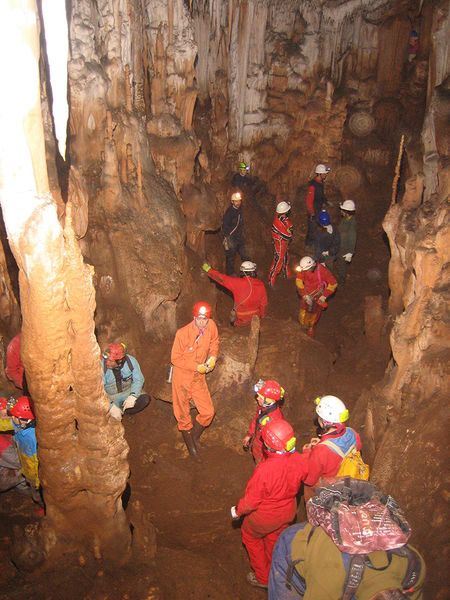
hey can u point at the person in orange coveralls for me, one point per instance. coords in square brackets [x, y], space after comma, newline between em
[268, 395]
[194, 353]
[314, 284]
[249, 293]
[269, 504]
[281, 236]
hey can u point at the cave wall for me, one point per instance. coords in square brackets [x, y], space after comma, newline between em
[405, 417]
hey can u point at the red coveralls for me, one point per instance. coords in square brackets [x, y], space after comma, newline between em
[14, 367]
[319, 282]
[323, 461]
[190, 349]
[269, 506]
[255, 429]
[281, 236]
[249, 294]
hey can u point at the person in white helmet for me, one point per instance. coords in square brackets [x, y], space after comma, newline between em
[249, 293]
[233, 233]
[314, 284]
[324, 461]
[315, 202]
[347, 231]
[281, 237]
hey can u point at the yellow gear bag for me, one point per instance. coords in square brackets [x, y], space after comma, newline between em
[352, 464]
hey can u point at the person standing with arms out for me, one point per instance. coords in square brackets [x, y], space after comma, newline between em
[315, 202]
[194, 353]
[268, 396]
[347, 231]
[314, 284]
[249, 293]
[233, 233]
[281, 237]
[269, 504]
[123, 381]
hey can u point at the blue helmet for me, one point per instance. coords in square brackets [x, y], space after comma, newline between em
[324, 218]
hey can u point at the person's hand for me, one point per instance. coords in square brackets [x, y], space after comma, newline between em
[308, 300]
[314, 441]
[115, 412]
[246, 441]
[321, 300]
[206, 267]
[129, 402]
[330, 229]
[306, 446]
[325, 253]
[211, 363]
[202, 368]
[233, 512]
[347, 257]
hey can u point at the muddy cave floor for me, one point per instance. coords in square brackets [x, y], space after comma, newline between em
[199, 552]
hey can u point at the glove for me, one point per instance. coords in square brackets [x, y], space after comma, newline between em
[115, 412]
[202, 368]
[330, 229]
[308, 300]
[211, 363]
[206, 267]
[347, 257]
[326, 253]
[321, 300]
[234, 514]
[129, 402]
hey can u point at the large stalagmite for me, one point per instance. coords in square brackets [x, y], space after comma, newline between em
[82, 451]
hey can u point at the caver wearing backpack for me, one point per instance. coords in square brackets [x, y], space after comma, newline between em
[341, 554]
[335, 440]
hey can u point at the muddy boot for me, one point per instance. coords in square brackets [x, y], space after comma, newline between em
[190, 444]
[197, 432]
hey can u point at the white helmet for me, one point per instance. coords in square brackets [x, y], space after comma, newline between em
[283, 207]
[306, 263]
[322, 169]
[236, 196]
[248, 266]
[331, 409]
[348, 206]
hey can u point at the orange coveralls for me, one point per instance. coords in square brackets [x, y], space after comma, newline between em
[190, 349]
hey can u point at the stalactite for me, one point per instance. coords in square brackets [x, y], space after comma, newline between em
[170, 20]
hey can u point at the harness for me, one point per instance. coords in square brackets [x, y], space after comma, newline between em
[355, 565]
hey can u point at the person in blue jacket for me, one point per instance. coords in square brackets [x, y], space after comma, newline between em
[123, 381]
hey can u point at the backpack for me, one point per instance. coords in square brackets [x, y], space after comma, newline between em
[352, 464]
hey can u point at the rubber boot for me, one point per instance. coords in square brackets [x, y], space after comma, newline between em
[197, 432]
[190, 444]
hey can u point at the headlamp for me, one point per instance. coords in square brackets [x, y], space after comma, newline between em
[258, 385]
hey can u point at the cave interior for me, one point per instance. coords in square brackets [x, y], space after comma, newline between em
[120, 143]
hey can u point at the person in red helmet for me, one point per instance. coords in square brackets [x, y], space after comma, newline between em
[194, 354]
[23, 424]
[281, 237]
[269, 504]
[123, 381]
[314, 284]
[10, 467]
[268, 395]
[249, 293]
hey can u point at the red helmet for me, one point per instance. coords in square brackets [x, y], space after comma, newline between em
[202, 310]
[278, 435]
[271, 391]
[20, 408]
[115, 351]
